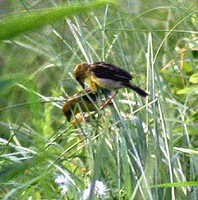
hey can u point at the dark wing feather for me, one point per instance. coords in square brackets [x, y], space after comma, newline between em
[109, 71]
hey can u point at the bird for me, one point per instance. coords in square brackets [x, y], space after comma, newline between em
[105, 75]
[85, 99]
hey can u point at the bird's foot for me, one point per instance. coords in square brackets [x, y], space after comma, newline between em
[105, 104]
[108, 101]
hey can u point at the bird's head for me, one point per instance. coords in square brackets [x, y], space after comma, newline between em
[80, 73]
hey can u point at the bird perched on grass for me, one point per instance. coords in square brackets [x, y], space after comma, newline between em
[105, 75]
[83, 101]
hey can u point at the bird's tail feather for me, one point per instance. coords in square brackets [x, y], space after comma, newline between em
[137, 89]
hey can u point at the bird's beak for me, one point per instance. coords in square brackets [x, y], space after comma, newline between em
[81, 82]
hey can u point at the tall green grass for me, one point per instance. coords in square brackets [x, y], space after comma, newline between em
[139, 148]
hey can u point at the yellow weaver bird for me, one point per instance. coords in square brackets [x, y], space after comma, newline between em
[85, 100]
[105, 75]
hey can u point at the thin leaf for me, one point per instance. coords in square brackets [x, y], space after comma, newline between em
[178, 184]
[190, 151]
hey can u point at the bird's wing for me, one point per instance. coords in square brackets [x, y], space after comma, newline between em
[109, 71]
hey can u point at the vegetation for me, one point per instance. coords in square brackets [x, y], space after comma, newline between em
[138, 148]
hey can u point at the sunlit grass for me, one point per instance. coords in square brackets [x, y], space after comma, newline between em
[136, 148]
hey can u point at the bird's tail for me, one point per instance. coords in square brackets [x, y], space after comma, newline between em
[137, 89]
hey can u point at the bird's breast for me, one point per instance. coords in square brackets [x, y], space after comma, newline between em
[108, 83]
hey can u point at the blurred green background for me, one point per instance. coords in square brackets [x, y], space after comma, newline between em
[138, 143]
